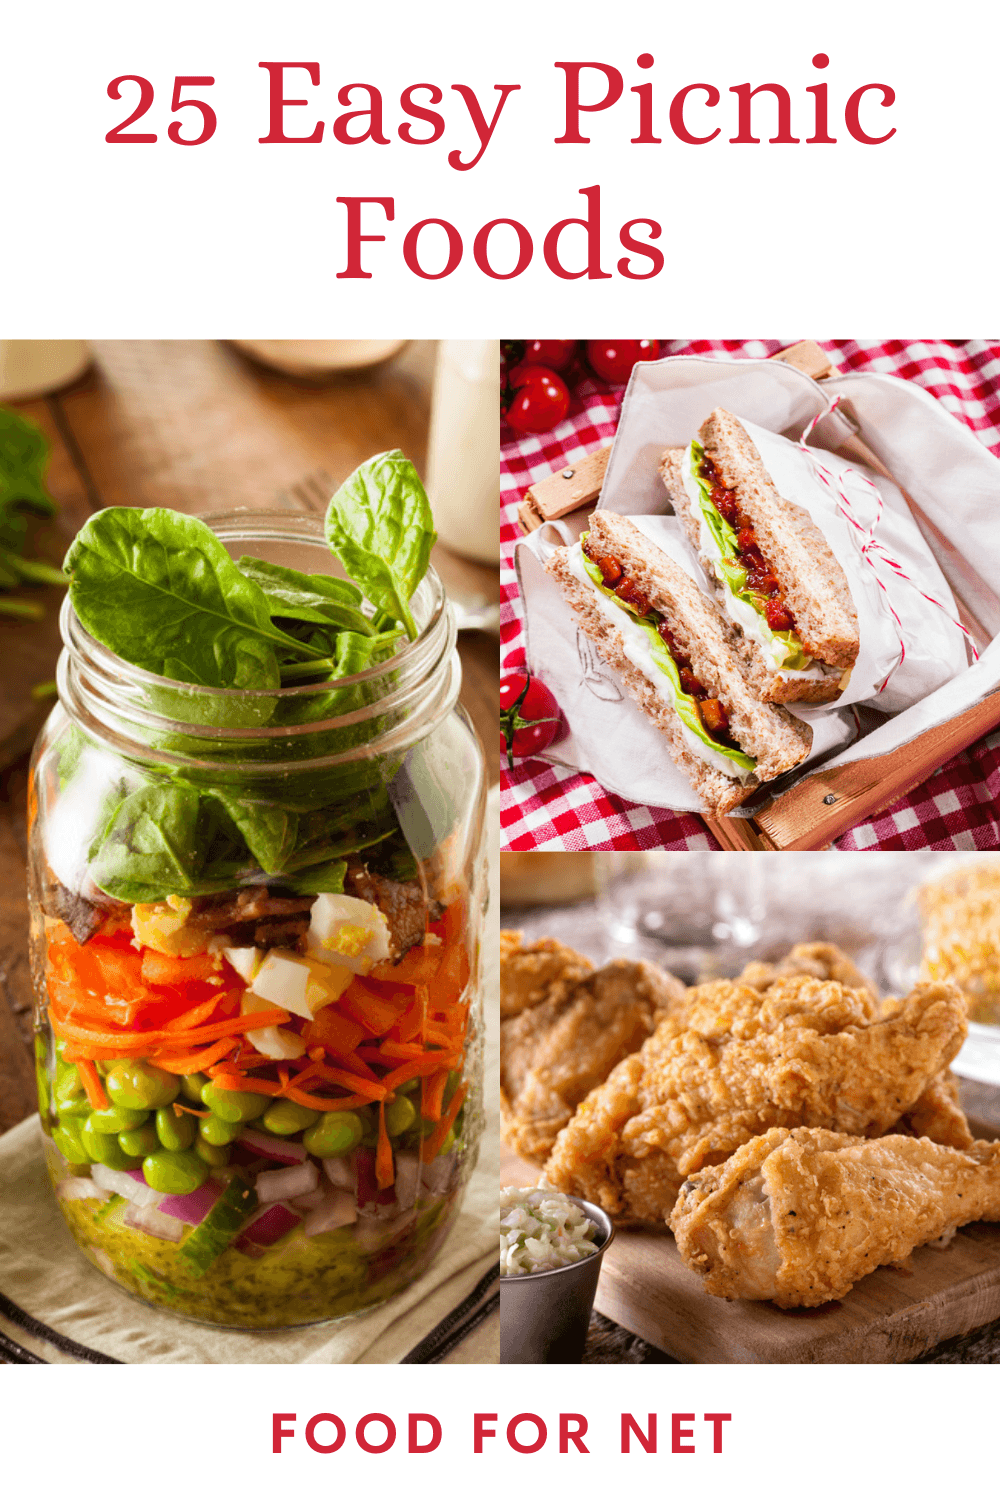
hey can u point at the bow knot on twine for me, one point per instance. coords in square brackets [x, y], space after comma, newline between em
[870, 546]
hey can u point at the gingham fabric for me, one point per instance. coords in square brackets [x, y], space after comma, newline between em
[547, 807]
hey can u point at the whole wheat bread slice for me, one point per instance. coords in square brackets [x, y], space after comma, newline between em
[770, 734]
[814, 582]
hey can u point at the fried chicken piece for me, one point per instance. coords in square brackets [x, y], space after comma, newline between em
[798, 1216]
[737, 1063]
[543, 971]
[820, 960]
[554, 1051]
[937, 1113]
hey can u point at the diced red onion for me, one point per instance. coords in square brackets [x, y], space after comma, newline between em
[407, 1178]
[340, 1170]
[310, 1200]
[338, 1210]
[191, 1208]
[151, 1221]
[81, 1187]
[269, 1227]
[288, 1152]
[131, 1185]
[288, 1182]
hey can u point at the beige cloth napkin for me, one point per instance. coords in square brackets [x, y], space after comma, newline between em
[44, 1274]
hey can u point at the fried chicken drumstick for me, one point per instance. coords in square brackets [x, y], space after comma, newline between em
[737, 1062]
[798, 1216]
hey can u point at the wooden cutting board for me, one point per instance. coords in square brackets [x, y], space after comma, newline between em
[890, 1317]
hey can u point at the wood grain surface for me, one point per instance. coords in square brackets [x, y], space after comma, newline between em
[196, 426]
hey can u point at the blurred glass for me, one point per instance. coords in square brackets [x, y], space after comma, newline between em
[34, 367]
[463, 473]
[315, 359]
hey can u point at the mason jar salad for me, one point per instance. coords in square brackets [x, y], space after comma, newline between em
[257, 900]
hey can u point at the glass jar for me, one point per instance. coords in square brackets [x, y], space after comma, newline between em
[256, 924]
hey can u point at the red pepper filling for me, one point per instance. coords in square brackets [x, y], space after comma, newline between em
[760, 577]
[711, 711]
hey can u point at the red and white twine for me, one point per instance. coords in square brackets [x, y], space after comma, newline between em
[870, 546]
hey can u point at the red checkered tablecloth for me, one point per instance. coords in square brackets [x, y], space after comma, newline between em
[548, 807]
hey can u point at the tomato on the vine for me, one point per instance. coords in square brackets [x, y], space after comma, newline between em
[540, 399]
[529, 716]
[554, 354]
[612, 359]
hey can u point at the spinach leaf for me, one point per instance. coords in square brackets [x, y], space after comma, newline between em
[379, 524]
[320, 879]
[296, 596]
[268, 830]
[160, 590]
[150, 847]
[24, 453]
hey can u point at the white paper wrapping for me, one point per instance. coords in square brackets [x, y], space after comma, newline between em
[942, 465]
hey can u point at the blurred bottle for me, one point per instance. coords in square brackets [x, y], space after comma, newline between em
[35, 367]
[463, 463]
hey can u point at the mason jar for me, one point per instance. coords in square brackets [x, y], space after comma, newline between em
[256, 930]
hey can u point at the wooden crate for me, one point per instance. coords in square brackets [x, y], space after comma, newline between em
[825, 803]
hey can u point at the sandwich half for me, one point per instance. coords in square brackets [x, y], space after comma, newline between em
[774, 573]
[676, 654]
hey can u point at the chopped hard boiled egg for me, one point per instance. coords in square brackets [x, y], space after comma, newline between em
[160, 925]
[273, 1041]
[300, 985]
[350, 932]
[246, 961]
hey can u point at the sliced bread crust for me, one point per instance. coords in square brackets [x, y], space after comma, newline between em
[815, 584]
[775, 739]
[769, 685]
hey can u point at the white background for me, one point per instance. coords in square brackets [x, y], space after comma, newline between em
[240, 239]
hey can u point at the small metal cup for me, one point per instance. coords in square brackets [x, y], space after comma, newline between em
[544, 1316]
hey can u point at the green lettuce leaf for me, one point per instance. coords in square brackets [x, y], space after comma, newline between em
[684, 704]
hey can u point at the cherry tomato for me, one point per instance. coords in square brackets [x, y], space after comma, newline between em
[541, 399]
[612, 359]
[554, 354]
[529, 716]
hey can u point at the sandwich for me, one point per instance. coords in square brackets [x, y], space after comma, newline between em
[677, 655]
[774, 574]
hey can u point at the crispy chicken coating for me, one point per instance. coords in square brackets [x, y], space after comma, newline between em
[740, 1061]
[543, 971]
[556, 1048]
[798, 1216]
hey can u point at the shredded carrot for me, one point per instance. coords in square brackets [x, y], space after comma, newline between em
[193, 1062]
[371, 1011]
[303, 1076]
[434, 1095]
[390, 1048]
[432, 1145]
[138, 1042]
[316, 1101]
[91, 1080]
[166, 969]
[350, 1081]
[420, 1067]
[195, 1016]
[418, 966]
[384, 1172]
[412, 1019]
[239, 1084]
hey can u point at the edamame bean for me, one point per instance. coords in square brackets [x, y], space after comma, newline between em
[285, 1117]
[447, 1143]
[335, 1134]
[399, 1115]
[174, 1171]
[138, 1085]
[216, 1132]
[233, 1105]
[68, 1090]
[192, 1085]
[140, 1142]
[216, 1156]
[411, 1086]
[42, 1083]
[454, 1079]
[103, 1148]
[67, 1137]
[176, 1132]
[116, 1118]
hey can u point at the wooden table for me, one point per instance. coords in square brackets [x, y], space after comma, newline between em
[196, 426]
